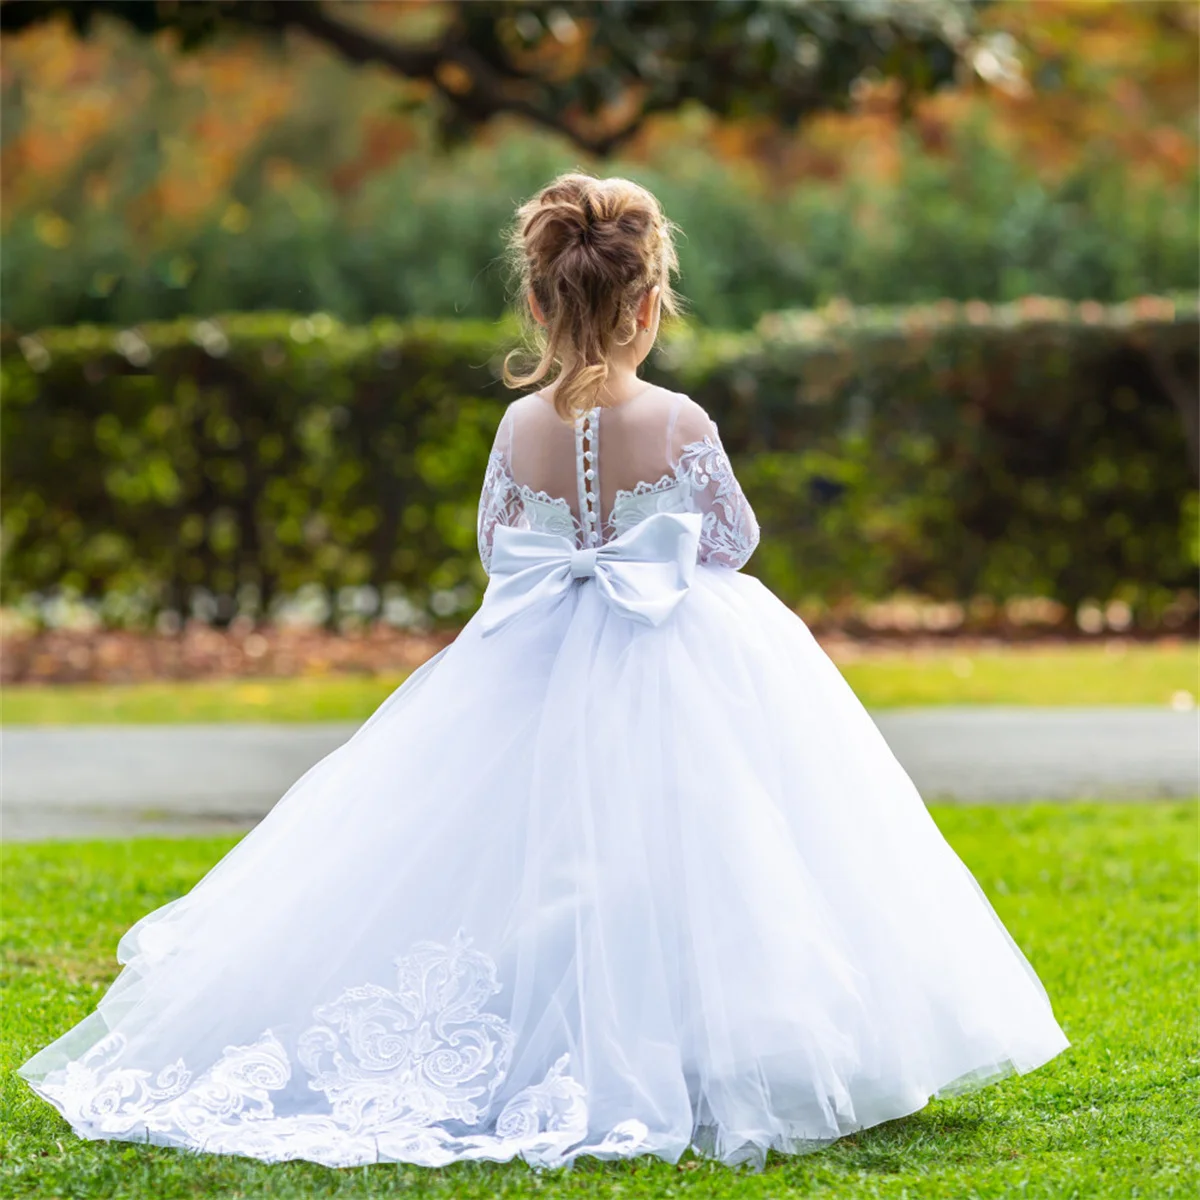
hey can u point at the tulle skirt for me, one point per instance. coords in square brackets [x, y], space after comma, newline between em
[578, 887]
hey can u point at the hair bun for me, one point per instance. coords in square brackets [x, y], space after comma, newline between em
[583, 229]
[590, 301]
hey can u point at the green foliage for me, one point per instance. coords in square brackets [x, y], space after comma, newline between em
[424, 237]
[260, 452]
[948, 451]
[1101, 899]
[957, 451]
[975, 223]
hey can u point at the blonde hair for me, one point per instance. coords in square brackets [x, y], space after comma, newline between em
[589, 250]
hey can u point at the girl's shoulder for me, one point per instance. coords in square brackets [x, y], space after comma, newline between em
[689, 421]
[528, 402]
[678, 406]
[529, 411]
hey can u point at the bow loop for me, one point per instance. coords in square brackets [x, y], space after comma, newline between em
[643, 574]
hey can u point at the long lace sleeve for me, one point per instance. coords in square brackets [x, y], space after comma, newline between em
[499, 501]
[730, 532]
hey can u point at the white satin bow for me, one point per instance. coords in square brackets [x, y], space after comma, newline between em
[643, 574]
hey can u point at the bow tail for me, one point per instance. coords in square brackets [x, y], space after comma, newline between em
[509, 595]
[644, 592]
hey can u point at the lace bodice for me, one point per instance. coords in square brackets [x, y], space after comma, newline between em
[696, 476]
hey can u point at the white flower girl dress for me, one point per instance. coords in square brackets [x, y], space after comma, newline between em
[626, 869]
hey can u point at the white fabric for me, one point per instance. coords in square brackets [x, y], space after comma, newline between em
[584, 886]
[643, 574]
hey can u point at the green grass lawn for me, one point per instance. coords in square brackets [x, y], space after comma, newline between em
[1102, 898]
[1124, 674]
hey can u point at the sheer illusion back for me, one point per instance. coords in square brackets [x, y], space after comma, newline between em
[596, 479]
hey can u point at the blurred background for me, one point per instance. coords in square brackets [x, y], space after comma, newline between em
[941, 262]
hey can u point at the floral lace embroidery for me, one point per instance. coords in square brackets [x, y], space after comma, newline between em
[553, 513]
[631, 506]
[730, 532]
[499, 504]
[409, 1075]
[503, 501]
[423, 1053]
[667, 482]
[703, 480]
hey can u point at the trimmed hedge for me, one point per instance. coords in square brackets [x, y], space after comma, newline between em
[958, 450]
[950, 450]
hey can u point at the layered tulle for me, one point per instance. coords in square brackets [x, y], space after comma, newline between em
[580, 887]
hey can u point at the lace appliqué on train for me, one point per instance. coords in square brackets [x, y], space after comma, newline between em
[409, 1074]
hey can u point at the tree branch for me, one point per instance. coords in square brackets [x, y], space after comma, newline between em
[356, 44]
[654, 56]
[488, 94]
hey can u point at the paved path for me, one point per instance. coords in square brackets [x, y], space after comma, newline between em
[112, 781]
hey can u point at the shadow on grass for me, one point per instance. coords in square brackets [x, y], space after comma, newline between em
[894, 1146]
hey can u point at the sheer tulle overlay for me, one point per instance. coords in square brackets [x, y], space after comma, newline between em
[583, 885]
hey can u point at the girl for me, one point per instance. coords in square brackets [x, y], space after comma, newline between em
[625, 870]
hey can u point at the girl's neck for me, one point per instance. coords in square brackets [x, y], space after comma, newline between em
[622, 385]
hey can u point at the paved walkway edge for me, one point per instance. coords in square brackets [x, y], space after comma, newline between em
[114, 781]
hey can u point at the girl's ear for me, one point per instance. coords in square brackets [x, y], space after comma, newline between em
[648, 309]
[536, 308]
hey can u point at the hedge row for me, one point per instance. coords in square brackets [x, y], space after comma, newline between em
[953, 450]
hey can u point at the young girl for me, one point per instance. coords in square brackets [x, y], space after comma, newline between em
[625, 870]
